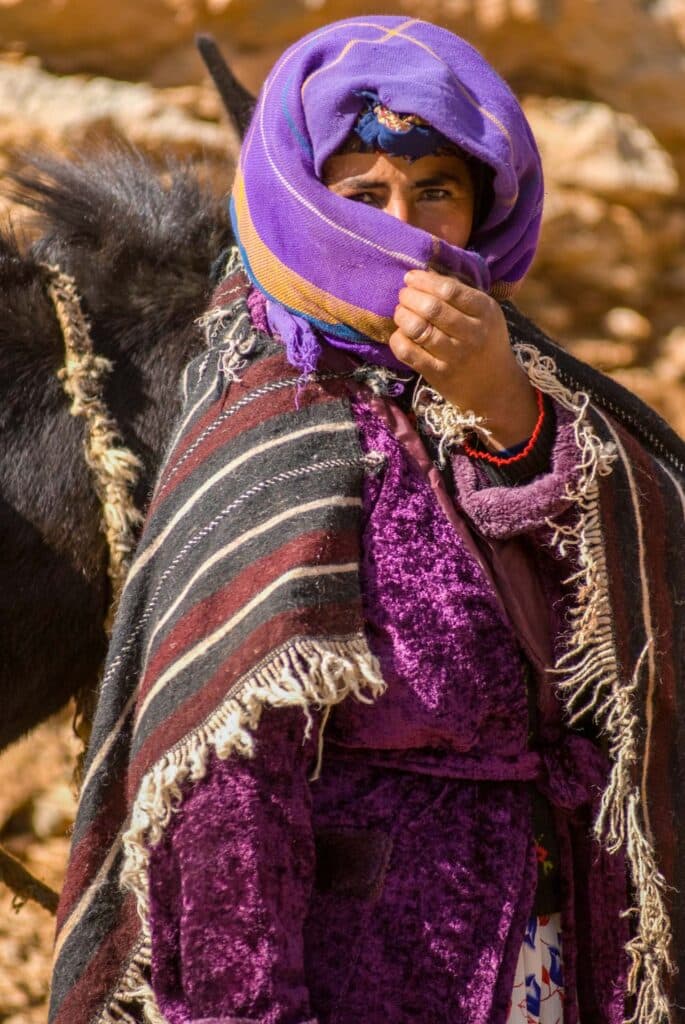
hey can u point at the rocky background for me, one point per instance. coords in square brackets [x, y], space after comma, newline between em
[603, 83]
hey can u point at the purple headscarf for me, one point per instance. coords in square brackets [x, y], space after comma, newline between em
[337, 266]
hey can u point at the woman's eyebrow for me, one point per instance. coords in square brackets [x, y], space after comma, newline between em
[438, 179]
[358, 182]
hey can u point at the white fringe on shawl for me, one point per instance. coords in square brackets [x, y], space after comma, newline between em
[450, 425]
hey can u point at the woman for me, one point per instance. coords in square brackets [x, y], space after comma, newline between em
[355, 728]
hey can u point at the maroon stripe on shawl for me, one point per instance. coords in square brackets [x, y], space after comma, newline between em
[209, 614]
[662, 787]
[101, 975]
[664, 704]
[236, 286]
[625, 583]
[83, 866]
[669, 718]
[341, 620]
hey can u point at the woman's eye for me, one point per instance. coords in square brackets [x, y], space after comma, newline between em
[368, 198]
[433, 194]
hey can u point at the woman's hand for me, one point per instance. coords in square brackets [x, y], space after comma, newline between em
[456, 337]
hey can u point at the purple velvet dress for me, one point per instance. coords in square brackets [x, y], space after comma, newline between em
[396, 888]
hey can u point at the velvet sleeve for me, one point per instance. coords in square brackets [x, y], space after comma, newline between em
[501, 510]
[230, 884]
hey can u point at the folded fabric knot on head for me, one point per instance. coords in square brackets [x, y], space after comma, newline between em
[408, 135]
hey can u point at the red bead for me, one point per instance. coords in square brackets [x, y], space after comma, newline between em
[499, 460]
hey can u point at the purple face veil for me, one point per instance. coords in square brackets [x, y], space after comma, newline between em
[338, 265]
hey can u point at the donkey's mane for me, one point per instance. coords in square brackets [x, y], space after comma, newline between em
[119, 202]
[138, 239]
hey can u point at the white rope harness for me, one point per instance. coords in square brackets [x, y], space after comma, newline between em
[114, 468]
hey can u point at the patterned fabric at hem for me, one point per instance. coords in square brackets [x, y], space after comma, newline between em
[538, 992]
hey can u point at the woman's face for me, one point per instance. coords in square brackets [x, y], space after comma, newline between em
[434, 193]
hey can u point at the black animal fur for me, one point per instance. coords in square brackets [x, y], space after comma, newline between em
[141, 249]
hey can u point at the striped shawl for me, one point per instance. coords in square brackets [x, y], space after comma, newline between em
[244, 594]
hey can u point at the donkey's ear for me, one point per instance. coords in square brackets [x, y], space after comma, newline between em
[237, 100]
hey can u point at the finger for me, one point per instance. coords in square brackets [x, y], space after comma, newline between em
[422, 308]
[471, 301]
[414, 356]
[418, 329]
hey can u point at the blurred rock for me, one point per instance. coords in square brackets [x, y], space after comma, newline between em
[118, 38]
[593, 251]
[34, 767]
[591, 147]
[627, 324]
[604, 355]
[53, 811]
[39, 109]
[672, 14]
[669, 365]
[595, 255]
[35, 776]
[612, 235]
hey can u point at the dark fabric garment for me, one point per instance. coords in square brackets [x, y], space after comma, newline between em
[418, 870]
[102, 959]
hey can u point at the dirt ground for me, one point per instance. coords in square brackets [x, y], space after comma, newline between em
[37, 805]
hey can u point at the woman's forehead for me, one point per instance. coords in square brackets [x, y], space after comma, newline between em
[382, 167]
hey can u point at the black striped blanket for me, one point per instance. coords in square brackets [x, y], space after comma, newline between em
[244, 594]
